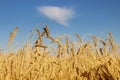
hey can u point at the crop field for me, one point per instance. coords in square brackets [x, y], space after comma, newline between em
[63, 59]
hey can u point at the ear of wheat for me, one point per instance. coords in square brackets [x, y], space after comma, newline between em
[95, 40]
[37, 30]
[38, 45]
[111, 40]
[39, 38]
[12, 36]
[102, 41]
[78, 36]
[47, 31]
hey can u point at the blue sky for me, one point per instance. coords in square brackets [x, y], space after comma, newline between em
[62, 16]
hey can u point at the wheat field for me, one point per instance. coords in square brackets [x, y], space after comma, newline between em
[97, 59]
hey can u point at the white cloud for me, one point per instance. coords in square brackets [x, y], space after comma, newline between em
[58, 14]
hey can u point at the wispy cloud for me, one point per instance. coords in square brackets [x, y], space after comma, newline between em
[59, 14]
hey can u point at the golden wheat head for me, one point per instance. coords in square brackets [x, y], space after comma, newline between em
[12, 35]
